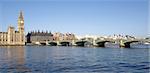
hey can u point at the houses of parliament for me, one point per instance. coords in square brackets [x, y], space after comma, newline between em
[13, 37]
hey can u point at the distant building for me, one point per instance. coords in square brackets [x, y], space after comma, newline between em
[64, 37]
[12, 37]
[33, 37]
[45, 36]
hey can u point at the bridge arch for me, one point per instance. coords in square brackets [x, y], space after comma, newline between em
[52, 43]
[83, 43]
[42, 43]
[65, 43]
[101, 43]
[127, 44]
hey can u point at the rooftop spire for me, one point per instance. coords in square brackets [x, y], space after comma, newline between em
[21, 15]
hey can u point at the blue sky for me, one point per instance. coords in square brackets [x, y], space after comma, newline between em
[97, 17]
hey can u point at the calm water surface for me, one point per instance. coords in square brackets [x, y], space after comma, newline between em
[46, 59]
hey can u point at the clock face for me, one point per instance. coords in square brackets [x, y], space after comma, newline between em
[21, 21]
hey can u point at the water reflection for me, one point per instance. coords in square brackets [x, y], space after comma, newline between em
[46, 59]
[12, 59]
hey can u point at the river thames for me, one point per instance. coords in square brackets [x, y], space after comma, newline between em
[47, 59]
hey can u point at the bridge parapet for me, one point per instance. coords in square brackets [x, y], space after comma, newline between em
[130, 41]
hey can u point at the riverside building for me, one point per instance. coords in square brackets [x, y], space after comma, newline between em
[64, 37]
[12, 37]
[33, 37]
[47, 38]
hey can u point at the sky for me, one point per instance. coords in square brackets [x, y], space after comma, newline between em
[94, 17]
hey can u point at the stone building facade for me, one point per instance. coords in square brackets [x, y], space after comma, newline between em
[33, 37]
[64, 37]
[39, 37]
[12, 37]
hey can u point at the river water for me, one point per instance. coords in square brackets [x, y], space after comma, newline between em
[46, 59]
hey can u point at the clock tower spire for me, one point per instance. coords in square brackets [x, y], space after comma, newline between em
[21, 23]
[21, 28]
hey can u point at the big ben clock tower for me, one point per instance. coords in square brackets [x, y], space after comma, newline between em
[21, 28]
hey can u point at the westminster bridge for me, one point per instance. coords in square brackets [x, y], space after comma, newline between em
[86, 41]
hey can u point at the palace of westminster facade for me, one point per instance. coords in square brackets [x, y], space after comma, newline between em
[13, 37]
